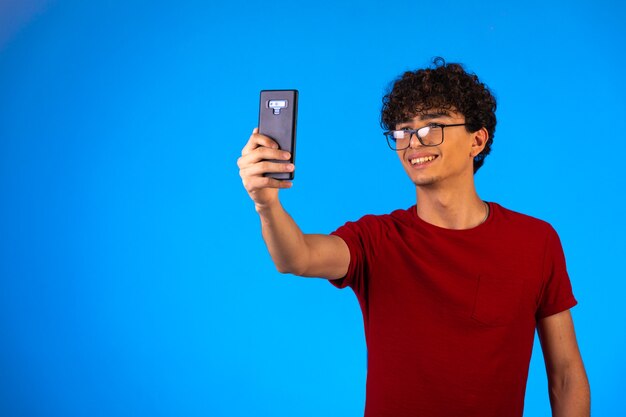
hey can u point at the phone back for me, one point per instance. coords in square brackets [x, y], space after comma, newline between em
[278, 112]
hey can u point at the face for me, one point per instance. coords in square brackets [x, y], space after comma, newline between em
[452, 160]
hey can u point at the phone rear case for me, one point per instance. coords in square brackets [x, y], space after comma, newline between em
[278, 112]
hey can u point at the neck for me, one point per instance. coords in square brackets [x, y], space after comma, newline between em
[451, 209]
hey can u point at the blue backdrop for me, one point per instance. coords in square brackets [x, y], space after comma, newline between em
[133, 277]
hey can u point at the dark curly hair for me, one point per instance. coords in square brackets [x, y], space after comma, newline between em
[447, 87]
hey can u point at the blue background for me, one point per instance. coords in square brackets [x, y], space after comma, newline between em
[133, 277]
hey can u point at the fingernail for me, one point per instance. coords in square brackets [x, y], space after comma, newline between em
[286, 155]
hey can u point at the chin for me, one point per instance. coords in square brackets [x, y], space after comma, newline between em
[425, 181]
[422, 178]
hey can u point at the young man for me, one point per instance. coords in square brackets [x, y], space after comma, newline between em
[452, 289]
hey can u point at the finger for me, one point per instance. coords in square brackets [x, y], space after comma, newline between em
[260, 154]
[258, 183]
[266, 167]
[257, 140]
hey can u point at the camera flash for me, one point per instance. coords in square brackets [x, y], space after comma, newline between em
[277, 105]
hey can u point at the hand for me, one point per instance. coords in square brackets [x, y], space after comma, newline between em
[252, 165]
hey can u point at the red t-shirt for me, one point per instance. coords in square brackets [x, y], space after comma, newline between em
[450, 315]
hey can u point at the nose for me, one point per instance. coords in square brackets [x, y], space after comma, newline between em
[414, 142]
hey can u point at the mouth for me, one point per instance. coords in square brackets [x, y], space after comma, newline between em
[422, 160]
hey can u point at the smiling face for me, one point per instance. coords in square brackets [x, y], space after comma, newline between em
[448, 163]
[441, 86]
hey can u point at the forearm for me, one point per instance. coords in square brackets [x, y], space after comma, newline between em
[284, 239]
[570, 395]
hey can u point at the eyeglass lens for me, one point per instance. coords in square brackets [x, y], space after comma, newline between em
[429, 135]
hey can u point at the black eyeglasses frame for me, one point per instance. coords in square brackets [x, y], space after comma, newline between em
[389, 135]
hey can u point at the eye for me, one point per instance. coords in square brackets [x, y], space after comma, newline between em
[423, 131]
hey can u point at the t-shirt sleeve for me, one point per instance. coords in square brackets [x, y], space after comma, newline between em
[556, 293]
[355, 236]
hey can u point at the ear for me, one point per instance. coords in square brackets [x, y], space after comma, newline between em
[479, 140]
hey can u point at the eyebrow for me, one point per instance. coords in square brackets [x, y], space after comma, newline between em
[428, 116]
[436, 115]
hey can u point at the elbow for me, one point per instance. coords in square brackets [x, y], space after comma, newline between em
[570, 394]
[289, 269]
[283, 269]
[295, 264]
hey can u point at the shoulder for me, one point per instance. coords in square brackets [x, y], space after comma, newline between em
[379, 223]
[513, 219]
[522, 228]
[400, 216]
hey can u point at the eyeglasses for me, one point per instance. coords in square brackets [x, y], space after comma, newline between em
[431, 135]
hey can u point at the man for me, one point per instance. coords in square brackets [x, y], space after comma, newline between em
[452, 289]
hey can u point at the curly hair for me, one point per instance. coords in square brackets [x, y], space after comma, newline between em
[442, 87]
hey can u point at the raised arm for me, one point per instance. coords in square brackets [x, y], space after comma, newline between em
[567, 380]
[309, 255]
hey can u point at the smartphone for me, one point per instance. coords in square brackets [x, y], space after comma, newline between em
[278, 112]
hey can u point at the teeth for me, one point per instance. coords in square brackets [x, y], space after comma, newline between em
[422, 160]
